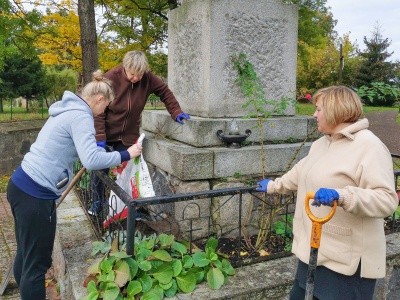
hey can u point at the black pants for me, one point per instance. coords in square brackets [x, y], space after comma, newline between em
[330, 285]
[35, 228]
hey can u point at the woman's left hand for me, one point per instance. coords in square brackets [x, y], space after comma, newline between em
[325, 196]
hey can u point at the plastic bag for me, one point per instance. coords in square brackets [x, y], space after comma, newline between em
[134, 178]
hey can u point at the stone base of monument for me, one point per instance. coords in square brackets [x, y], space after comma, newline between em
[191, 158]
[193, 151]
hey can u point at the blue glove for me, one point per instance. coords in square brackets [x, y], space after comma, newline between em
[262, 185]
[325, 197]
[181, 117]
[101, 144]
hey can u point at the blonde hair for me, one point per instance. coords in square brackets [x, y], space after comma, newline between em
[341, 104]
[99, 85]
[136, 62]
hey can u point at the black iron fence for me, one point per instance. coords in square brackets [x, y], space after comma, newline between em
[22, 109]
[249, 225]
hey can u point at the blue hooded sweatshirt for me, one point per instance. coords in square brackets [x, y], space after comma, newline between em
[68, 135]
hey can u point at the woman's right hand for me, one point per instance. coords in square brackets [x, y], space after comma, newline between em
[135, 150]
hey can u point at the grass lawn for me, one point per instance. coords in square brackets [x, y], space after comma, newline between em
[308, 109]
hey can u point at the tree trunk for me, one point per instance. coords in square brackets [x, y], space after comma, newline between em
[87, 24]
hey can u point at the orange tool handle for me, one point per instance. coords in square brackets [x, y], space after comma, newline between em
[317, 222]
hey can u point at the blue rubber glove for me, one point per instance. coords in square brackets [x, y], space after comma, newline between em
[262, 185]
[325, 196]
[181, 117]
[101, 144]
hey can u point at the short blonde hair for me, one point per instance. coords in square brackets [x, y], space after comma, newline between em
[136, 62]
[99, 85]
[341, 104]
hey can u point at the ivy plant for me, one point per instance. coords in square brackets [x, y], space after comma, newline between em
[161, 267]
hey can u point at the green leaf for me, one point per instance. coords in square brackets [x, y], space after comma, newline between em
[166, 286]
[179, 248]
[107, 277]
[111, 292]
[146, 282]
[150, 244]
[187, 261]
[122, 273]
[153, 294]
[92, 296]
[215, 278]
[134, 288]
[198, 272]
[161, 255]
[145, 265]
[106, 265]
[227, 267]
[213, 256]
[166, 240]
[91, 286]
[142, 254]
[133, 267]
[211, 245]
[200, 259]
[172, 290]
[163, 273]
[186, 283]
[177, 267]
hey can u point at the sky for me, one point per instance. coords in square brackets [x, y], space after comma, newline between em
[359, 17]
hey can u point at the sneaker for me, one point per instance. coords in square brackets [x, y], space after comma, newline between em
[96, 208]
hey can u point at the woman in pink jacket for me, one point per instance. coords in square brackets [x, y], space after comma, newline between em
[350, 165]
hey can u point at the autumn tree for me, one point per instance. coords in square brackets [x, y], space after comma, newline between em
[317, 56]
[134, 25]
[59, 39]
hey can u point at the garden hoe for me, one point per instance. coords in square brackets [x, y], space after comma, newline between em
[316, 231]
[7, 275]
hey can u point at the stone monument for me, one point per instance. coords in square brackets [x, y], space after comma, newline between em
[203, 36]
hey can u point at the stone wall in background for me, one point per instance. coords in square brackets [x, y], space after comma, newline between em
[15, 140]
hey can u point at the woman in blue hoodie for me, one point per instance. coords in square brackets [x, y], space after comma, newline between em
[45, 171]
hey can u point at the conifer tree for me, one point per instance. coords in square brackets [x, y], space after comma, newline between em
[374, 66]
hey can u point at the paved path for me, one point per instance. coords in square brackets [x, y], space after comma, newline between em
[384, 125]
[7, 247]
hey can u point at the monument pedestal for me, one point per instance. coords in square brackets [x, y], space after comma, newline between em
[194, 152]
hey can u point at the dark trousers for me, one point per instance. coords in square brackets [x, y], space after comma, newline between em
[35, 228]
[330, 285]
[96, 185]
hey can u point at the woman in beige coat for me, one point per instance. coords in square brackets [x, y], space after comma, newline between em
[350, 165]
